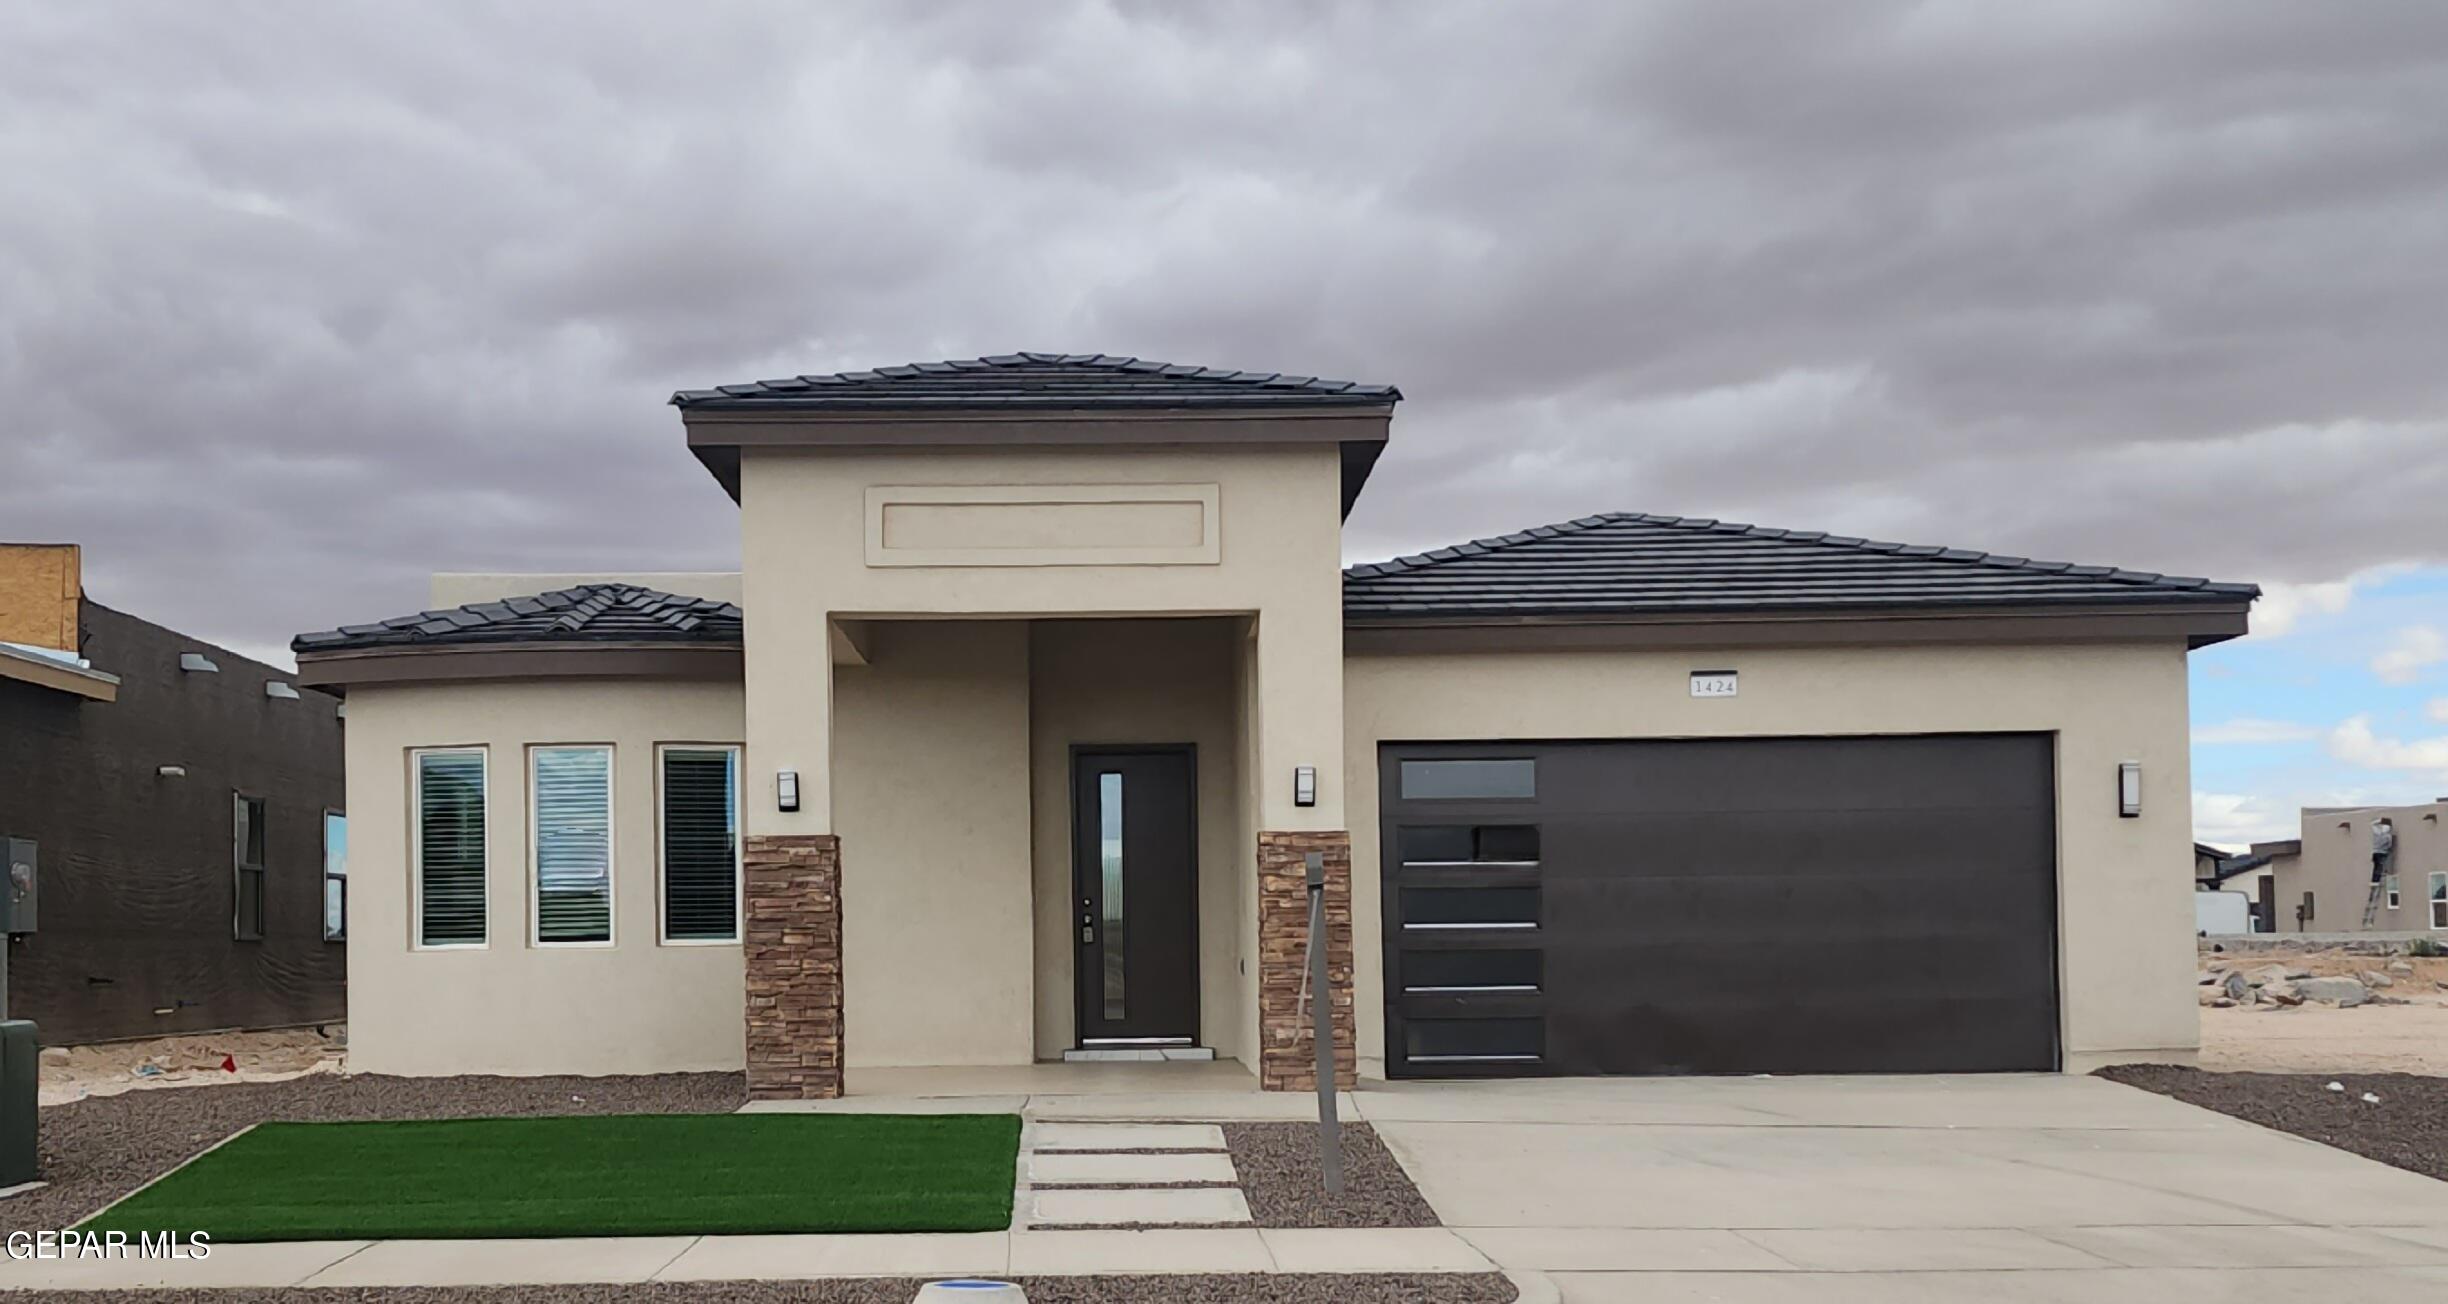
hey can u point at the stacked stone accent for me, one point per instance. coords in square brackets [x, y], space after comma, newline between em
[794, 945]
[1287, 1057]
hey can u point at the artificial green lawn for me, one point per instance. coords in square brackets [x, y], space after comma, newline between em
[621, 1175]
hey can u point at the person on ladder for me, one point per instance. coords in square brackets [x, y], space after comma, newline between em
[2384, 845]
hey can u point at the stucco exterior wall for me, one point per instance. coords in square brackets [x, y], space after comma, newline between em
[805, 518]
[931, 749]
[510, 1007]
[2335, 868]
[1142, 681]
[2125, 906]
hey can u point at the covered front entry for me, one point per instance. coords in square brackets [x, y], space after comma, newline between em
[1134, 853]
[1754, 905]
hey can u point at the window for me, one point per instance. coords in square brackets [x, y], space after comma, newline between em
[2439, 900]
[2391, 881]
[700, 823]
[570, 844]
[335, 876]
[448, 834]
[1487, 780]
[247, 865]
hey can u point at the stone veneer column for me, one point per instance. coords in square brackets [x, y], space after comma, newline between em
[793, 941]
[1287, 1056]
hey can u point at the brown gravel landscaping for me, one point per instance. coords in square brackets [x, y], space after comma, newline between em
[1278, 1166]
[98, 1149]
[1457, 1288]
[2408, 1129]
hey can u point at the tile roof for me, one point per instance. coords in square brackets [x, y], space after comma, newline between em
[1040, 380]
[1626, 563]
[590, 613]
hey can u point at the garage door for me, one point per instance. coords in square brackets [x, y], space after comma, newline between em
[1782, 905]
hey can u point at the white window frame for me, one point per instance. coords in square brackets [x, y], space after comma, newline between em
[535, 886]
[322, 916]
[2436, 904]
[739, 848]
[2389, 884]
[416, 845]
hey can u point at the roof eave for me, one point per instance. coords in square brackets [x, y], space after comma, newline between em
[2198, 622]
[717, 433]
[398, 663]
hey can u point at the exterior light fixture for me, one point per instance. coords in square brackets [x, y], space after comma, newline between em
[275, 688]
[2129, 789]
[1304, 785]
[196, 663]
[172, 771]
[786, 790]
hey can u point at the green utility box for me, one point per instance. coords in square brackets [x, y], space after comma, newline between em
[20, 1059]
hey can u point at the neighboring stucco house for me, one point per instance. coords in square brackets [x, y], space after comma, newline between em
[2324, 887]
[1050, 677]
[178, 809]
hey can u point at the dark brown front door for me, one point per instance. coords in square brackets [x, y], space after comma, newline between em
[1134, 860]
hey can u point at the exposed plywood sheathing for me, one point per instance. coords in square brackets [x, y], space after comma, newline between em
[39, 585]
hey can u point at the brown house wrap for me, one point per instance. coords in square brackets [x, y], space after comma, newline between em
[137, 888]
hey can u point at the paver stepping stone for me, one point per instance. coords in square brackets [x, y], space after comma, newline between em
[1058, 1169]
[1075, 1208]
[1126, 1136]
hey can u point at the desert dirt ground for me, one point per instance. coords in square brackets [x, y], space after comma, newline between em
[77, 1072]
[2315, 1038]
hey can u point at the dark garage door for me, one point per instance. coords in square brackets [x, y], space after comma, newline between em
[1781, 905]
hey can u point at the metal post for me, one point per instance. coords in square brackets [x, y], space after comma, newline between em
[1321, 1023]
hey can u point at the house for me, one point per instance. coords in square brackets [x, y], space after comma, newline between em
[2324, 887]
[179, 809]
[1042, 681]
[2248, 874]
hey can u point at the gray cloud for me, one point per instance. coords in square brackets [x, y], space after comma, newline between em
[300, 302]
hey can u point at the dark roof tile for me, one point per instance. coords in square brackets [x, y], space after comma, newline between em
[1042, 380]
[591, 613]
[1626, 563]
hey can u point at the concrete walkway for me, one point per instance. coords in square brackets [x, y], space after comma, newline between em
[735, 1258]
[1905, 1189]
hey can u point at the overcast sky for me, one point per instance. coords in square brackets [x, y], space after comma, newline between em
[300, 302]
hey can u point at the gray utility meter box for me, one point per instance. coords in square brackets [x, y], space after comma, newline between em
[17, 894]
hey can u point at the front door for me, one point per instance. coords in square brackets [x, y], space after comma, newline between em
[1134, 860]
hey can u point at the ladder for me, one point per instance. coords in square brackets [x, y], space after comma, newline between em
[2371, 904]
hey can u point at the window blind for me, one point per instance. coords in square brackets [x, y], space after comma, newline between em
[573, 844]
[700, 844]
[450, 828]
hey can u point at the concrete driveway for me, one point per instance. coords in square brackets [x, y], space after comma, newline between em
[1898, 1190]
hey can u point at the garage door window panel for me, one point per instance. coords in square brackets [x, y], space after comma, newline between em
[1437, 845]
[1431, 908]
[1507, 779]
[1438, 972]
[1433, 1041]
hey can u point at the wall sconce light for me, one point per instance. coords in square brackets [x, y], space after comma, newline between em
[276, 689]
[2129, 789]
[172, 771]
[196, 663]
[1304, 785]
[786, 789]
